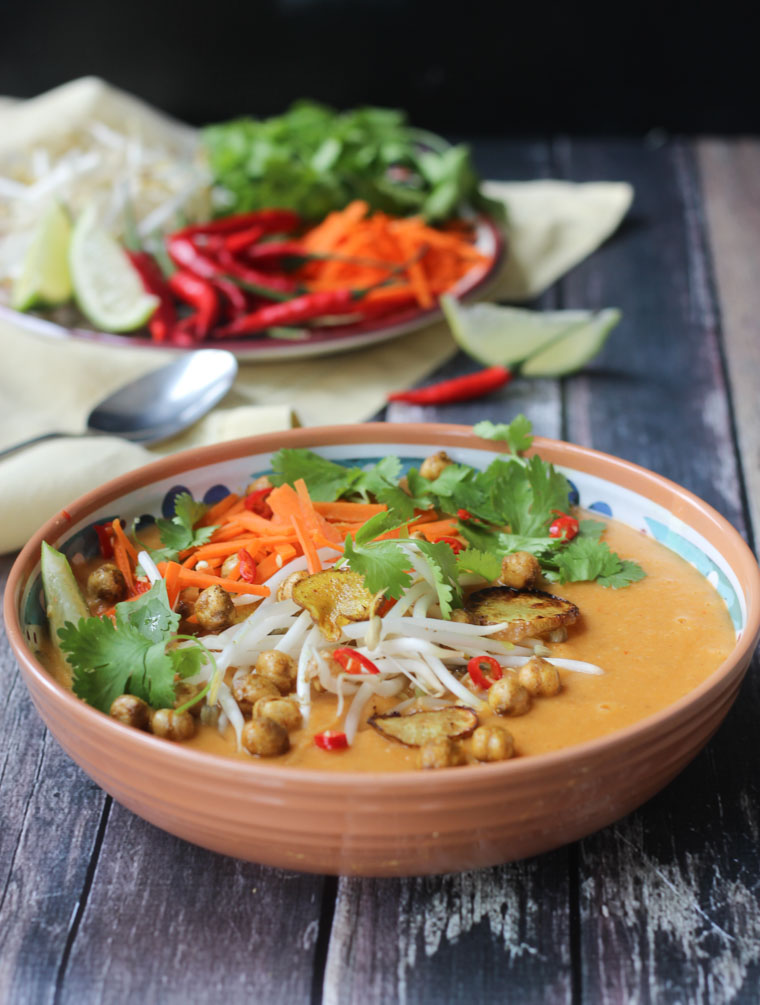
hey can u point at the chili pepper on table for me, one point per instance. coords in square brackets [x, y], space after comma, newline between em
[352, 661]
[200, 294]
[331, 739]
[164, 318]
[565, 526]
[475, 670]
[473, 385]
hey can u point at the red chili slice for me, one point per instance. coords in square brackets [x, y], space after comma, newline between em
[564, 526]
[105, 539]
[353, 662]
[464, 514]
[247, 566]
[455, 545]
[475, 670]
[330, 739]
[257, 503]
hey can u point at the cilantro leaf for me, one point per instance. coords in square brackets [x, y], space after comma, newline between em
[131, 656]
[518, 434]
[587, 559]
[443, 564]
[178, 534]
[482, 563]
[591, 528]
[325, 480]
[629, 572]
[382, 563]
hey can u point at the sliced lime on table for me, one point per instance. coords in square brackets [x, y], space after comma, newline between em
[45, 279]
[546, 343]
[107, 287]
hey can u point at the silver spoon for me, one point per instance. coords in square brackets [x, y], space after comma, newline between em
[160, 403]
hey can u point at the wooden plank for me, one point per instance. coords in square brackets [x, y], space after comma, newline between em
[669, 896]
[498, 934]
[49, 820]
[167, 920]
[730, 172]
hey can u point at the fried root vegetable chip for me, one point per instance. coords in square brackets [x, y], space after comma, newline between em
[526, 612]
[419, 728]
[333, 598]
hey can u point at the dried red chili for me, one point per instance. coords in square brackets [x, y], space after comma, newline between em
[473, 385]
[352, 661]
[475, 670]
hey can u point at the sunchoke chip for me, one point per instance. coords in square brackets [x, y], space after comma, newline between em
[333, 598]
[527, 612]
[419, 728]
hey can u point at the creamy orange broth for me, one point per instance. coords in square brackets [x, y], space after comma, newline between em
[656, 640]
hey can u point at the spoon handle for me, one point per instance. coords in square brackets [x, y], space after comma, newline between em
[34, 439]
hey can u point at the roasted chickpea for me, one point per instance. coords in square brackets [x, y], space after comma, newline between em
[520, 570]
[249, 688]
[285, 711]
[131, 711]
[492, 743]
[434, 465]
[460, 615]
[539, 677]
[279, 668]
[285, 589]
[186, 602]
[265, 737]
[443, 753]
[107, 583]
[214, 609]
[171, 725]
[508, 697]
[184, 693]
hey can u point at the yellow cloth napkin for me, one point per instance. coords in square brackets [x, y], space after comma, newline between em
[49, 384]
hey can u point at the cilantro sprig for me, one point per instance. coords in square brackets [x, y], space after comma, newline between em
[132, 655]
[179, 533]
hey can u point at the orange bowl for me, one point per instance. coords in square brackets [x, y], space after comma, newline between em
[393, 824]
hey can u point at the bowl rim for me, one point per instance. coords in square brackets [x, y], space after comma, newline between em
[573, 456]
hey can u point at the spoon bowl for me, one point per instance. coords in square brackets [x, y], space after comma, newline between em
[160, 403]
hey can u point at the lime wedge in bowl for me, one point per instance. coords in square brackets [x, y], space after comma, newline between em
[546, 343]
[107, 287]
[45, 279]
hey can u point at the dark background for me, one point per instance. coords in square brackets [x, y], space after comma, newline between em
[473, 67]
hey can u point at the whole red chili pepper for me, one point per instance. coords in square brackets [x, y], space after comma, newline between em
[247, 566]
[228, 265]
[475, 670]
[271, 221]
[565, 526]
[164, 317]
[200, 294]
[232, 295]
[455, 545]
[353, 662]
[272, 252]
[240, 240]
[292, 312]
[473, 385]
[257, 503]
[331, 739]
[220, 264]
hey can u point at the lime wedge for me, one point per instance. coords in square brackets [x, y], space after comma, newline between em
[63, 598]
[505, 336]
[107, 287]
[573, 350]
[45, 277]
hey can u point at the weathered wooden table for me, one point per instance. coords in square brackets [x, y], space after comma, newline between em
[664, 906]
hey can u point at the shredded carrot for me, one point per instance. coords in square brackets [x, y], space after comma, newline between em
[124, 540]
[273, 563]
[218, 510]
[191, 577]
[122, 561]
[170, 580]
[349, 512]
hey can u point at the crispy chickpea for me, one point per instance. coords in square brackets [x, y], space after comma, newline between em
[171, 725]
[539, 677]
[285, 711]
[249, 688]
[285, 589]
[265, 737]
[519, 570]
[492, 743]
[508, 697]
[131, 711]
[214, 609]
[443, 753]
[434, 465]
[279, 668]
[460, 615]
[186, 602]
[184, 693]
[107, 583]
